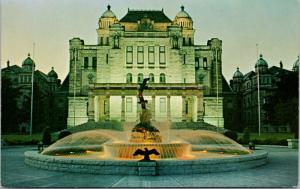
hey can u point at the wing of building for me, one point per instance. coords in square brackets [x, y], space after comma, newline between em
[185, 78]
[245, 96]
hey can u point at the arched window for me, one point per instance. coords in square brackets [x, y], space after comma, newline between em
[140, 78]
[151, 76]
[175, 42]
[129, 78]
[116, 41]
[162, 78]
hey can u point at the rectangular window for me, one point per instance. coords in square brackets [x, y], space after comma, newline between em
[107, 41]
[162, 105]
[151, 56]
[129, 104]
[140, 55]
[106, 58]
[101, 40]
[197, 62]
[190, 41]
[183, 41]
[129, 56]
[184, 59]
[204, 62]
[94, 65]
[86, 62]
[162, 55]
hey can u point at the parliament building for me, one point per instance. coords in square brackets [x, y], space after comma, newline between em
[185, 78]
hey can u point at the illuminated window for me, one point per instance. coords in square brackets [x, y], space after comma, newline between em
[205, 63]
[129, 104]
[162, 105]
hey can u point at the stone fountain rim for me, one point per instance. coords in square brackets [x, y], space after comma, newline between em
[130, 167]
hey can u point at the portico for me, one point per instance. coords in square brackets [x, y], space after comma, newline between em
[167, 102]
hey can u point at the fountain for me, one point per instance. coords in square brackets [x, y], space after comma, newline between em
[181, 152]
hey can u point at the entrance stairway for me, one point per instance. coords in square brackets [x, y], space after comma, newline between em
[195, 126]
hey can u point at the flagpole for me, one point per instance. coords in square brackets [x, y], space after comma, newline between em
[217, 90]
[258, 93]
[74, 95]
[31, 103]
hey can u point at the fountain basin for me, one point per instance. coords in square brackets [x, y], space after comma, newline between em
[131, 167]
[166, 150]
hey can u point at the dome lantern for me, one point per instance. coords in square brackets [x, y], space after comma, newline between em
[238, 74]
[52, 73]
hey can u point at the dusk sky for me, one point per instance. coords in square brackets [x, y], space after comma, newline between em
[240, 24]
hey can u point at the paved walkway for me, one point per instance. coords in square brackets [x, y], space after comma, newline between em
[281, 171]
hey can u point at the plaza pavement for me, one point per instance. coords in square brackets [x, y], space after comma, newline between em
[281, 171]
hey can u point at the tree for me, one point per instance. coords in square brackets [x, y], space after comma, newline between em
[9, 109]
[283, 106]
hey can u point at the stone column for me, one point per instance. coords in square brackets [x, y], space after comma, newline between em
[153, 108]
[91, 112]
[123, 109]
[168, 108]
[183, 109]
[200, 108]
[107, 113]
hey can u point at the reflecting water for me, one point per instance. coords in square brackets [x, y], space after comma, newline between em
[179, 144]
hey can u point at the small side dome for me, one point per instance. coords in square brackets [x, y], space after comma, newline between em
[28, 61]
[296, 65]
[238, 74]
[261, 62]
[108, 13]
[182, 14]
[52, 73]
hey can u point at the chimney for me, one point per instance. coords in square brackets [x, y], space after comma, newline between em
[8, 63]
[281, 65]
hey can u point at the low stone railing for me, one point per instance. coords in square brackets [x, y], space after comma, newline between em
[292, 143]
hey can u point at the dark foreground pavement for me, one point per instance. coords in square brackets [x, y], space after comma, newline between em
[281, 171]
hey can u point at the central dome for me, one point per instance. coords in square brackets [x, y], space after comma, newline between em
[261, 62]
[28, 61]
[108, 13]
[182, 13]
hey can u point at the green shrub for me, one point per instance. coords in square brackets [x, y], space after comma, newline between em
[246, 136]
[46, 136]
[63, 134]
[232, 135]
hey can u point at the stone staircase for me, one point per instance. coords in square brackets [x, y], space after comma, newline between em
[195, 126]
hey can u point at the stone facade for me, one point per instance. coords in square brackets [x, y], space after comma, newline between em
[244, 96]
[145, 44]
